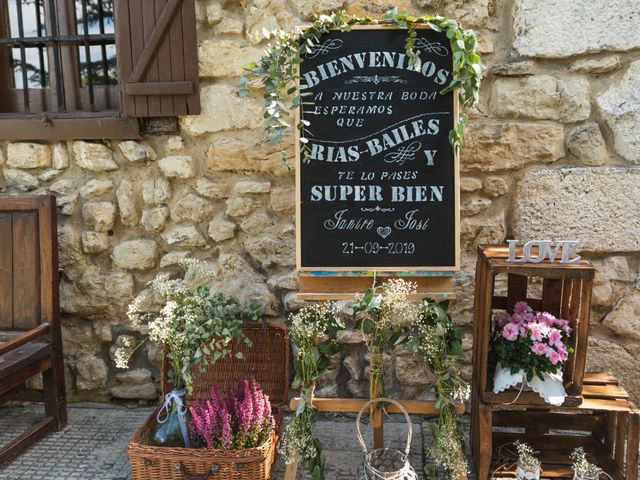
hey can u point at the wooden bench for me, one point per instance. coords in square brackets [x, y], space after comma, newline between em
[30, 337]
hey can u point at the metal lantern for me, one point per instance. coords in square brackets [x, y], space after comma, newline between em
[385, 463]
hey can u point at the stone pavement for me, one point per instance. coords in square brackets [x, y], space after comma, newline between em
[93, 446]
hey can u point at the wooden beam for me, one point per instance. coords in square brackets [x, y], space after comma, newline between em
[57, 128]
[354, 405]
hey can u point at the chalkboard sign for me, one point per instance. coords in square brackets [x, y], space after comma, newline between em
[380, 189]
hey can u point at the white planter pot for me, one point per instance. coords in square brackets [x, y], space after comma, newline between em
[551, 389]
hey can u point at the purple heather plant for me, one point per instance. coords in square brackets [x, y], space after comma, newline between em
[240, 418]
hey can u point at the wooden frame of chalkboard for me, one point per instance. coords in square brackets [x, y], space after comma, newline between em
[453, 236]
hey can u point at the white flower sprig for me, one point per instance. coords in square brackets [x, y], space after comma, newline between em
[194, 326]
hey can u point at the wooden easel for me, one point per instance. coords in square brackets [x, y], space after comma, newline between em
[353, 405]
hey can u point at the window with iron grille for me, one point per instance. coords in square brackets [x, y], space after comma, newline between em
[104, 63]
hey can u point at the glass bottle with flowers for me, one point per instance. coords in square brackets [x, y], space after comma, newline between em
[582, 468]
[385, 314]
[531, 351]
[528, 467]
[195, 328]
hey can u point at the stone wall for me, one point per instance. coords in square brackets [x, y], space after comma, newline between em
[552, 151]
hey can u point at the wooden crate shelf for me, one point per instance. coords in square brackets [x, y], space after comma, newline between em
[606, 424]
[564, 290]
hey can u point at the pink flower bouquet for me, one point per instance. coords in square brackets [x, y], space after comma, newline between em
[241, 418]
[530, 346]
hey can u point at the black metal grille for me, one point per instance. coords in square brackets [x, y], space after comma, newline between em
[48, 38]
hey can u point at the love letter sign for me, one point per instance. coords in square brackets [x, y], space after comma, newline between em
[546, 249]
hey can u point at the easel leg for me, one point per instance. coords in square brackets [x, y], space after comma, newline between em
[377, 426]
[292, 469]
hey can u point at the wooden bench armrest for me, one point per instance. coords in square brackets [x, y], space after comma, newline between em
[14, 343]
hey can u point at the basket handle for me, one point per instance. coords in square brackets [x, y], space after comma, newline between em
[385, 400]
[180, 467]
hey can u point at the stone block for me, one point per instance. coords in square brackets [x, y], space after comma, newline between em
[95, 188]
[620, 107]
[587, 144]
[177, 166]
[283, 199]
[91, 373]
[135, 254]
[474, 206]
[223, 109]
[64, 186]
[153, 219]
[252, 187]
[135, 384]
[172, 259]
[60, 157]
[99, 215]
[137, 151]
[541, 97]
[186, 236]
[20, 180]
[240, 206]
[257, 223]
[270, 250]
[470, 184]
[96, 157]
[28, 155]
[493, 146]
[495, 186]
[156, 191]
[220, 57]
[212, 189]
[128, 203]
[563, 29]
[607, 64]
[221, 229]
[592, 205]
[192, 207]
[95, 242]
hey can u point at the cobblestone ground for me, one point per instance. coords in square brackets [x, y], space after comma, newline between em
[93, 446]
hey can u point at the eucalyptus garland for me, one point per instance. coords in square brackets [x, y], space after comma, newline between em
[278, 68]
[313, 331]
[439, 341]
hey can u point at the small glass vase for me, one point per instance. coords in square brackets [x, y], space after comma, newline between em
[170, 429]
[524, 472]
[581, 476]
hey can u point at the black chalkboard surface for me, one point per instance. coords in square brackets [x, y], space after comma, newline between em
[380, 190]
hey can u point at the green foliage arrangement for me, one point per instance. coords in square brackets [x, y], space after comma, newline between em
[583, 469]
[194, 326]
[313, 331]
[385, 315]
[439, 341]
[278, 68]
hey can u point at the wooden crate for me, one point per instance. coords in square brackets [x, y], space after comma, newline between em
[606, 424]
[565, 292]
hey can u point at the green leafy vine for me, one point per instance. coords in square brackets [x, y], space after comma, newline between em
[313, 331]
[283, 94]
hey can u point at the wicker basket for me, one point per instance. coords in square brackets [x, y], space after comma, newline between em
[268, 362]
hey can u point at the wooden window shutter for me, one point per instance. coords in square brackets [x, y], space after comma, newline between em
[157, 57]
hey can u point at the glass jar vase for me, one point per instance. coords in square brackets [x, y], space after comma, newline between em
[582, 476]
[524, 472]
